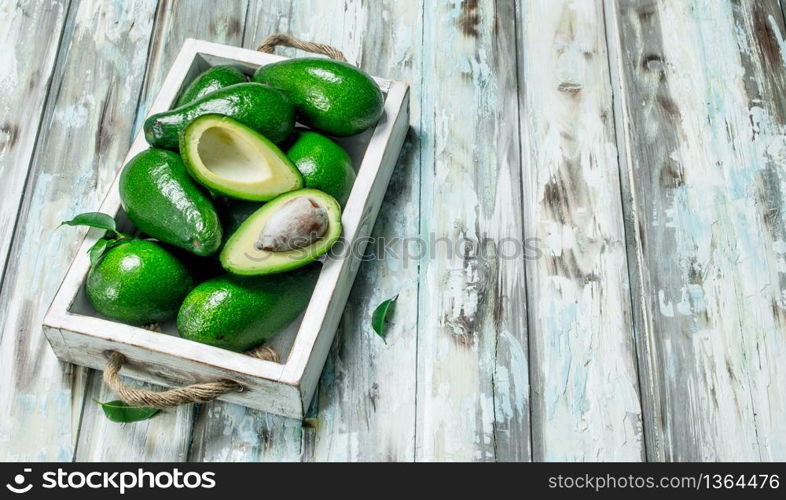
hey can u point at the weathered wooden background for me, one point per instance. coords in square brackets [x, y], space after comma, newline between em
[639, 145]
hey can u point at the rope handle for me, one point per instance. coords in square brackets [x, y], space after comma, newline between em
[276, 39]
[195, 393]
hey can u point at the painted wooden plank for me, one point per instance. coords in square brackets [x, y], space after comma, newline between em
[366, 410]
[167, 437]
[276, 438]
[335, 22]
[96, 90]
[585, 401]
[225, 432]
[471, 301]
[29, 34]
[702, 87]
[177, 20]
[163, 437]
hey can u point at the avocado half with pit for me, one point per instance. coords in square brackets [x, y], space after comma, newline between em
[231, 159]
[287, 233]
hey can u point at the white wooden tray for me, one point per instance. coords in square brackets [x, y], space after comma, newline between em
[78, 335]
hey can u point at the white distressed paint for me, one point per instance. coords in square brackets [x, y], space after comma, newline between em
[707, 155]
[366, 408]
[585, 394]
[469, 189]
[39, 396]
[29, 31]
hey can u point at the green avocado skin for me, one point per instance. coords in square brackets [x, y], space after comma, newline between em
[138, 283]
[241, 312]
[323, 163]
[201, 268]
[209, 81]
[163, 201]
[330, 96]
[260, 107]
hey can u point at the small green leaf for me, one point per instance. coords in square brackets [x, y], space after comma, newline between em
[101, 247]
[380, 315]
[93, 219]
[98, 250]
[118, 411]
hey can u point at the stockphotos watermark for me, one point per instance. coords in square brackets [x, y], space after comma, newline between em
[413, 250]
[110, 481]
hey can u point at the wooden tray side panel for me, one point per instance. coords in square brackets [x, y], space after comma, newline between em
[168, 370]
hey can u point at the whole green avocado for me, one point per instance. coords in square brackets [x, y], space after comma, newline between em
[260, 107]
[209, 81]
[323, 163]
[330, 96]
[138, 282]
[163, 201]
[241, 312]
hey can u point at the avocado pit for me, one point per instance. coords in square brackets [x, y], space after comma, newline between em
[299, 223]
[289, 232]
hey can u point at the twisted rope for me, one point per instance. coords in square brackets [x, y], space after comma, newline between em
[195, 393]
[269, 43]
[264, 352]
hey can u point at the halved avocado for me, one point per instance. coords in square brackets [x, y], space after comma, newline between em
[234, 160]
[287, 233]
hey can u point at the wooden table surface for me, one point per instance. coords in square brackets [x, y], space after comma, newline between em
[638, 146]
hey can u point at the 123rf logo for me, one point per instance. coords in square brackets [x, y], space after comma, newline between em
[117, 481]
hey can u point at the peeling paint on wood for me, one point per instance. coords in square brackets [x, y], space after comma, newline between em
[177, 20]
[106, 44]
[366, 406]
[703, 113]
[227, 432]
[29, 31]
[165, 437]
[584, 382]
[515, 133]
[471, 301]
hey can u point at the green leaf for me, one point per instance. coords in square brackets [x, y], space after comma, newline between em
[380, 316]
[93, 219]
[98, 250]
[118, 411]
[101, 247]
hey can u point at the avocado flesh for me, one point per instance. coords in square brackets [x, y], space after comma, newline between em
[233, 160]
[242, 254]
